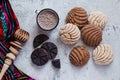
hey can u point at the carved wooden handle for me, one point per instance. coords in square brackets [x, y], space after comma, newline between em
[8, 61]
[21, 36]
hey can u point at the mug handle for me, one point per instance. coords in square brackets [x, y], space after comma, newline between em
[37, 11]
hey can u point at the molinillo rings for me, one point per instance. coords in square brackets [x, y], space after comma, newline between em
[21, 36]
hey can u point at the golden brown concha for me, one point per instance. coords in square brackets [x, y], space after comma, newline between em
[77, 16]
[91, 35]
[79, 56]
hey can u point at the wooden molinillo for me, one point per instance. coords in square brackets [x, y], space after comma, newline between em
[21, 37]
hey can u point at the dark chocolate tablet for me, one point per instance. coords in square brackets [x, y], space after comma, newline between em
[39, 56]
[51, 48]
[39, 40]
[56, 63]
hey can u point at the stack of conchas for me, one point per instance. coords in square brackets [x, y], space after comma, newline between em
[76, 19]
[102, 54]
[89, 28]
[92, 32]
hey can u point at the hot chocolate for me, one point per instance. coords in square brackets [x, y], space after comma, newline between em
[47, 19]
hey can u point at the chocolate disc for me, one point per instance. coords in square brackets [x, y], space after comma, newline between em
[56, 63]
[39, 56]
[51, 48]
[39, 40]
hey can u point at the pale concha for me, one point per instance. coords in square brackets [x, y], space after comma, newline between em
[69, 34]
[103, 54]
[98, 18]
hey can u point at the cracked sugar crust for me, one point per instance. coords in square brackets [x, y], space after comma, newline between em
[91, 35]
[69, 34]
[79, 56]
[77, 16]
[103, 54]
[98, 18]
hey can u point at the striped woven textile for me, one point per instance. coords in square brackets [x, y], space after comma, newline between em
[8, 25]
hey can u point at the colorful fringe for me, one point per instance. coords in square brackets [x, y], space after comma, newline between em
[8, 25]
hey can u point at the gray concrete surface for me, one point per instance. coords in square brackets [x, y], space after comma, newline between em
[25, 11]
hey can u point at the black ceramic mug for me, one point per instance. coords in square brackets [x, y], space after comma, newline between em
[47, 19]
